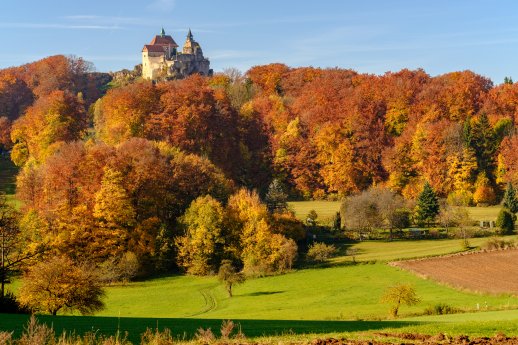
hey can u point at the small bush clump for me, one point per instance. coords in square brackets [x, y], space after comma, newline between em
[496, 243]
[441, 309]
[505, 221]
[320, 252]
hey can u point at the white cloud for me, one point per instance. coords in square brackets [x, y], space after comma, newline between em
[162, 5]
[58, 26]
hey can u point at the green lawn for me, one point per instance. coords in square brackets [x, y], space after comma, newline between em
[309, 301]
[342, 292]
[391, 251]
[324, 209]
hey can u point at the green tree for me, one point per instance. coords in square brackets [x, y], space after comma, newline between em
[485, 143]
[427, 207]
[505, 221]
[276, 198]
[228, 275]
[510, 201]
[311, 218]
[398, 295]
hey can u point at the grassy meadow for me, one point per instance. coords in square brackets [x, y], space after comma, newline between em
[340, 298]
[334, 293]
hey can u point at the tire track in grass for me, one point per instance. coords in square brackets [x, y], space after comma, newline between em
[210, 301]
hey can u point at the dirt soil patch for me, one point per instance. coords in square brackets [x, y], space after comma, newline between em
[409, 338]
[492, 272]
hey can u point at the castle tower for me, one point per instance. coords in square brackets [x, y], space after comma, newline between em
[188, 47]
[160, 59]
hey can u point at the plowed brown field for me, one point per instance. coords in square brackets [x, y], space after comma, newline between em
[493, 272]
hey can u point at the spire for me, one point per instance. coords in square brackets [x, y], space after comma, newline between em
[162, 33]
[189, 35]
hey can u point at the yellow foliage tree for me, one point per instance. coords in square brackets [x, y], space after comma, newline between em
[58, 284]
[260, 249]
[484, 192]
[201, 248]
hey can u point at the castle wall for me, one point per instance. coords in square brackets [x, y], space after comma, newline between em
[151, 64]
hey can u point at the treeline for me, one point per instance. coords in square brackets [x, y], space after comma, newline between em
[161, 176]
[39, 81]
[327, 133]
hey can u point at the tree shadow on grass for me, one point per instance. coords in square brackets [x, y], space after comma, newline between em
[261, 293]
[186, 328]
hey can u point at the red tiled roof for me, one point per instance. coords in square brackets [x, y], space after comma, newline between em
[153, 48]
[164, 41]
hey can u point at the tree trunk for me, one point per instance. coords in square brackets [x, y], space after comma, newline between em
[2, 288]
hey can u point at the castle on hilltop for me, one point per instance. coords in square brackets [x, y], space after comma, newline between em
[160, 58]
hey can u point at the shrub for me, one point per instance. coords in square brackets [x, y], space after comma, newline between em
[460, 198]
[311, 218]
[505, 222]
[205, 336]
[121, 270]
[321, 252]
[441, 309]
[499, 243]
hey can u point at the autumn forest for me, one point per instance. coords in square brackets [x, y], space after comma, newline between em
[174, 174]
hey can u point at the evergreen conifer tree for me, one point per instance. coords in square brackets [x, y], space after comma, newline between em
[276, 199]
[427, 207]
[485, 143]
[510, 200]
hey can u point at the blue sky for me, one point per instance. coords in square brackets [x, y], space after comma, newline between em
[368, 36]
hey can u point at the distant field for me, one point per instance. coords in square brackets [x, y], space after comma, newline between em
[326, 209]
[396, 250]
[476, 272]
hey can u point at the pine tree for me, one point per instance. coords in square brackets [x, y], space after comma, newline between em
[485, 143]
[510, 200]
[505, 221]
[276, 198]
[427, 207]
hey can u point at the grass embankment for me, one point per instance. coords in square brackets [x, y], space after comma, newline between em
[264, 331]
